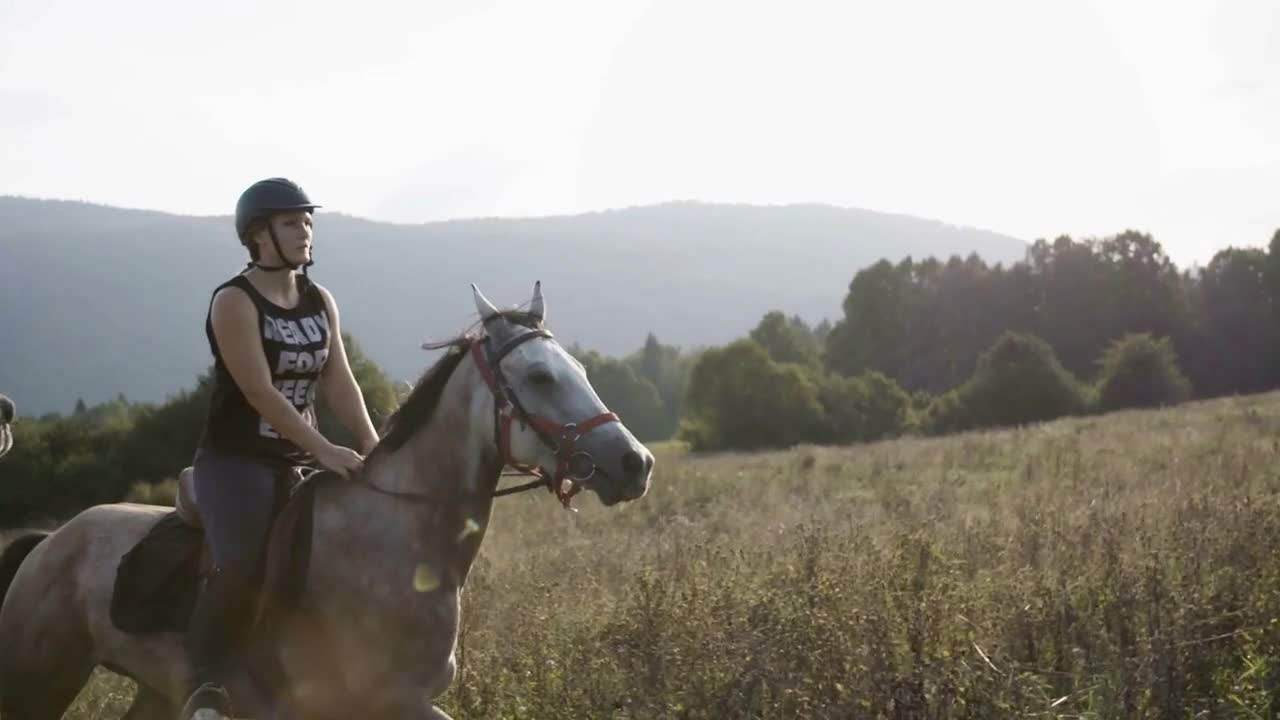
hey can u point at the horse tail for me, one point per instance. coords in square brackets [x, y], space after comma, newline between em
[12, 557]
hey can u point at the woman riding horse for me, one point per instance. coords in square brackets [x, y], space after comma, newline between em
[374, 630]
[275, 339]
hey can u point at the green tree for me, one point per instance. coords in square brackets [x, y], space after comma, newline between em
[1235, 335]
[821, 331]
[739, 398]
[633, 397]
[787, 340]
[868, 407]
[1018, 380]
[1272, 273]
[668, 370]
[1139, 371]
[1072, 298]
[873, 333]
[1144, 287]
[653, 360]
[164, 437]
[60, 465]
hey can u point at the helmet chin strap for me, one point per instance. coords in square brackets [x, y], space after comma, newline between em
[285, 264]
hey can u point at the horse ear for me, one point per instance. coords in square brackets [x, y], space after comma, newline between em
[537, 306]
[483, 306]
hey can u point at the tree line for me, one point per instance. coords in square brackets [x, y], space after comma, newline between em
[933, 346]
[921, 346]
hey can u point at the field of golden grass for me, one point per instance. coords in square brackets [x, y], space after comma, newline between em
[1104, 567]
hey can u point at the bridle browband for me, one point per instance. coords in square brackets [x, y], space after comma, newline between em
[572, 465]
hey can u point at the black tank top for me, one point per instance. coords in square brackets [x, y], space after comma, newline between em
[296, 344]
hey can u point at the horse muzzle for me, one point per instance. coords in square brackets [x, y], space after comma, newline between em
[620, 476]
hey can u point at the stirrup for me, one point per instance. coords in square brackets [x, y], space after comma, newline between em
[208, 699]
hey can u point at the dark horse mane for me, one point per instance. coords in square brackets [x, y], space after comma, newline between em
[417, 409]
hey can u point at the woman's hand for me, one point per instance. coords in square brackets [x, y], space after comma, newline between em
[341, 460]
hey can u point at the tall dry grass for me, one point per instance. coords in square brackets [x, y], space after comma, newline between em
[1122, 566]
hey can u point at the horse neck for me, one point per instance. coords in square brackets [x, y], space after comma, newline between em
[449, 468]
[452, 454]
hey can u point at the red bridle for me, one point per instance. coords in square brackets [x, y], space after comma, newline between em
[572, 465]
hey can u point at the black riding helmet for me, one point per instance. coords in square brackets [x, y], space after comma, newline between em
[262, 200]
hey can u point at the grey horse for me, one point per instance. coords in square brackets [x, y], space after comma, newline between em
[373, 633]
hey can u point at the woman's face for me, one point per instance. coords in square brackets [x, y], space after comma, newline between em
[293, 230]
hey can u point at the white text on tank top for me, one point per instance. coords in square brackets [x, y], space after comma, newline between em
[301, 392]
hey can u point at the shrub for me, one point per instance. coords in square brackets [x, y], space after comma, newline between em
[1018, 380]
[1139, 371]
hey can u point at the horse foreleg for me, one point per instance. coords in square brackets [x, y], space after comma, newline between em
[42, 691]
[150, 705]
[45, 661]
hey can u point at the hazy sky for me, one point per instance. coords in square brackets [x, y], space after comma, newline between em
[1029, 117]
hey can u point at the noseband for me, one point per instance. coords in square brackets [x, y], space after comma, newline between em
[574, 467]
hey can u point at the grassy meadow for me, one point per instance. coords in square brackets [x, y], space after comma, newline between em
[1122, 566]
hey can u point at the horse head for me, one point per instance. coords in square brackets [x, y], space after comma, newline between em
[7, 411]
[545, 416]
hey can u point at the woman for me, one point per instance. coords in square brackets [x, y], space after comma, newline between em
[276, 339]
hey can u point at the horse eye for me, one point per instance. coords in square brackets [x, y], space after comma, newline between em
[541, 377]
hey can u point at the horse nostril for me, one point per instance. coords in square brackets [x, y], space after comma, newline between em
[632, 464]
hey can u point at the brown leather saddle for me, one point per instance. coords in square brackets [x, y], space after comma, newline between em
[158, 580]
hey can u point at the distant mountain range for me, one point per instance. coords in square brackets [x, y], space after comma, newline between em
[97, 301]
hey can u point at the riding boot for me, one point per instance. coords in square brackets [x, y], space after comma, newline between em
[213, 638]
